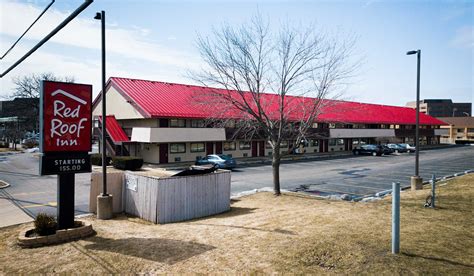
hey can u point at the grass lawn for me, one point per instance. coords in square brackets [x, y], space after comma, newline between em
[266, 234]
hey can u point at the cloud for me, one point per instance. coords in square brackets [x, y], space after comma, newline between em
[75, 50]
[464, 37]
[134, 42]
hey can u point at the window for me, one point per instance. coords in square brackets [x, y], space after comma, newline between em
[332, 142]
[244, 145]
[340, 142]
[198, 123]
[197, 147]
[332, 125]
[177, 123]
[314, 143]
[315, 125]
[229, 145]
[178, 148]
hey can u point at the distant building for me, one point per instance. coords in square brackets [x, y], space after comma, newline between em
[459, 131]
[443, 108]
[19, 113]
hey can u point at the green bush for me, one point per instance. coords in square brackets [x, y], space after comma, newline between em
[127, 163]
[96, 159]
[45, 224]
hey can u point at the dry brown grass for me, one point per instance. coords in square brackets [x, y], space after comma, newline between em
[266, 234]
[8, 150]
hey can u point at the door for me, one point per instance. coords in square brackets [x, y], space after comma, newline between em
[209, 148]
[254, 148]
[261, 148]
[346, 144]
[218, 147]
[163, 153]
[321, 145]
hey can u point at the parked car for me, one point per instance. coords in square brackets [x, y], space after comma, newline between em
[408, 147]
[375, 150]
[387, 150]
[221, 160]
[397, 148]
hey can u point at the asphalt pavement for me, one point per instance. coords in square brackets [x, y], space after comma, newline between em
[356, 176]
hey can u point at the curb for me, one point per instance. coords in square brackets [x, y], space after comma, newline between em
[4, 184]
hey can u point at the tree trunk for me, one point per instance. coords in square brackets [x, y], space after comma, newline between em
[276, 170]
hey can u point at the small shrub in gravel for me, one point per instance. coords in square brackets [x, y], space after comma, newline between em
[45, 224]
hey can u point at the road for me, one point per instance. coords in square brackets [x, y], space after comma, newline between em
[36, 193]
[356, 176]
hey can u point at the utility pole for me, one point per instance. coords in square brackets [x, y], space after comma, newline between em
[416, 180]
[104, 200]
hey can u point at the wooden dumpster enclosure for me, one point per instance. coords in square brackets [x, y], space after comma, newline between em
[173, 199]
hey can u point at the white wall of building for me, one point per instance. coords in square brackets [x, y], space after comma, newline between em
[118, 106]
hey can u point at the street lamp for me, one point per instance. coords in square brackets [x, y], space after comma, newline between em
[104, 200]
[417, 181]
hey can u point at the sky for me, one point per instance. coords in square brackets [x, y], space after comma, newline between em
[156, 40]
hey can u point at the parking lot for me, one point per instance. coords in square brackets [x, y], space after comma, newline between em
[354, 175]
[357, 176]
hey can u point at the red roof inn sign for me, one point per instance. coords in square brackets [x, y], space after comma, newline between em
[66, 125]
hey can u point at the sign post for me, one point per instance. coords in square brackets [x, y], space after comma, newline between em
[66, 128]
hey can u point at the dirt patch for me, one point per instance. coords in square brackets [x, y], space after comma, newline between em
[267, 234]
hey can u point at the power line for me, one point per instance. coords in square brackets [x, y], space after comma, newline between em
[51, 34]
[50, 4]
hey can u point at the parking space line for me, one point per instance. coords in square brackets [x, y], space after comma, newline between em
[49, 204]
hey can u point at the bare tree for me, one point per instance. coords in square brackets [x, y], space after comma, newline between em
[25, 105]
[274, 83]
[28, 88]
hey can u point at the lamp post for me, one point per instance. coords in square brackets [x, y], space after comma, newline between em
[104, 200]
[417, 181]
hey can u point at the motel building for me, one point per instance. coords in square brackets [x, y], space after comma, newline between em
[161, 123]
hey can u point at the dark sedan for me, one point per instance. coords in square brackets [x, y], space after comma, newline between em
[220, 160]
[397, 148]
[375, 150]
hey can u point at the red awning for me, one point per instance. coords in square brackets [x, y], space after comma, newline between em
[114, 130]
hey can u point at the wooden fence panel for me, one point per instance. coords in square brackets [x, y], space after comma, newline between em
[114, 187]
[141, 199]
[172, 199]
[189, 197]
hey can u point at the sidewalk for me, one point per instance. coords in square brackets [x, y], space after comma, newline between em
[10, 214]
[252, 161]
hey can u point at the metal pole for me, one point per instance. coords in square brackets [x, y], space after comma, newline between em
[433, 190]
[417, 133]
[51, 34]
[395, 217]
[104, 113]
[65, 208]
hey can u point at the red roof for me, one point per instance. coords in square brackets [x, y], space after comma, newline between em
[114, 129]
[161, 99]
